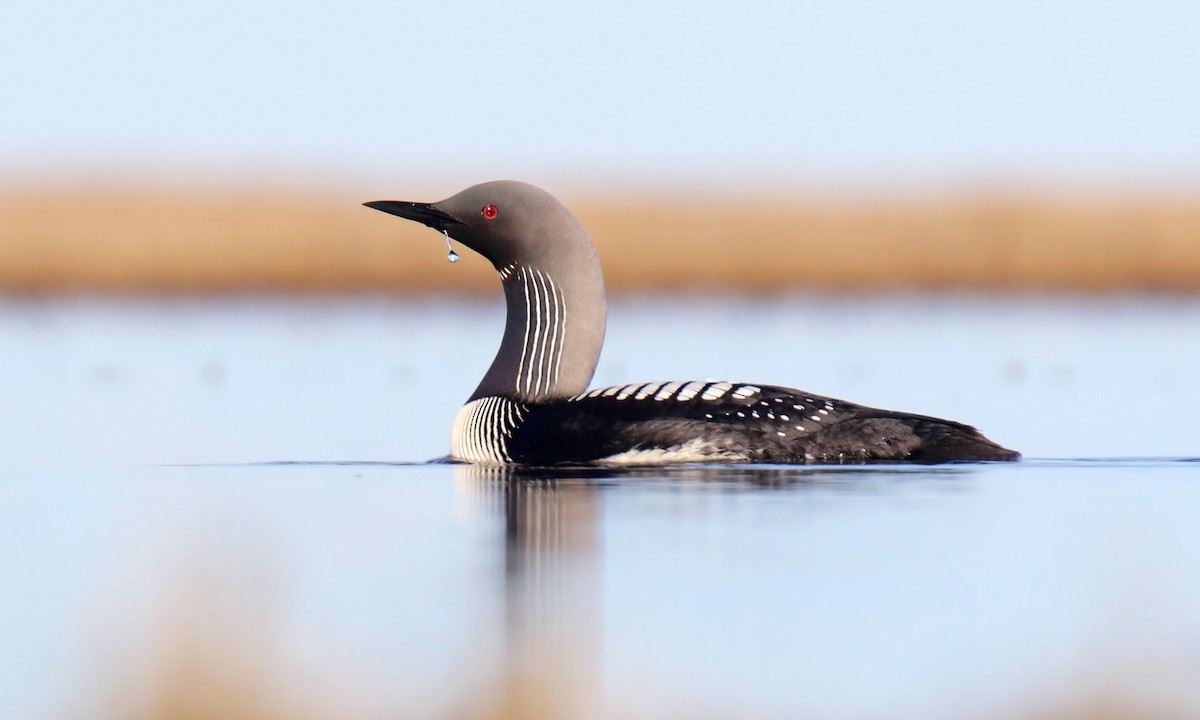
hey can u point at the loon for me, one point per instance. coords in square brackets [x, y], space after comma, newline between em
[533, 406]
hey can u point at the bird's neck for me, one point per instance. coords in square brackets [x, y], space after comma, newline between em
[553, 334]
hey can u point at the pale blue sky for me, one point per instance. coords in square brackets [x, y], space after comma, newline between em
[855, 91]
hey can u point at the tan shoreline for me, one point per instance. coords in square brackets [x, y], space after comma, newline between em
[175, 242]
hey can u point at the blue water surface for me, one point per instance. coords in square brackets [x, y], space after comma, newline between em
[233, 493]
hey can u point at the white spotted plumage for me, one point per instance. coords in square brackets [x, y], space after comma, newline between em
[486, 427]
[543, 255]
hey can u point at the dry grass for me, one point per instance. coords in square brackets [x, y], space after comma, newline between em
[175, 242]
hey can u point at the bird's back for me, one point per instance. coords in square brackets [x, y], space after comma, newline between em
[664, 422]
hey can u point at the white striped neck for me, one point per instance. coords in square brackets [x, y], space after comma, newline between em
[553, 333]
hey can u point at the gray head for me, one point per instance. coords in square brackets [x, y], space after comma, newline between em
[505, 221]
[552, 283]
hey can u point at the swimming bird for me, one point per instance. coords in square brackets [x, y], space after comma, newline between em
[533, 406]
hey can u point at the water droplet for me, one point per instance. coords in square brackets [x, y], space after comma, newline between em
[450, 254]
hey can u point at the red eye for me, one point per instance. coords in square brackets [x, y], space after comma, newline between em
[490, 212]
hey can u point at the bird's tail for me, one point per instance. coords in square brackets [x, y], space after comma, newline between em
[947, 441]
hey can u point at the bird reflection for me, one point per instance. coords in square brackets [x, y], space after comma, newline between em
[551, 585]
[552, 581]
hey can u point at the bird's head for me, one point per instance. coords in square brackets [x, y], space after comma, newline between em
[506, 221]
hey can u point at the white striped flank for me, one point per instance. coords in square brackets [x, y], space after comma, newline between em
[746, 391]
[622, 392]
[682, 391]
[716, 391]
[668, 390]
[545, 337]
[647, 390]
[626, 391]
[483, 429]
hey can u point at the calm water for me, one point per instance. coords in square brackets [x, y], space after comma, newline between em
[212, 498]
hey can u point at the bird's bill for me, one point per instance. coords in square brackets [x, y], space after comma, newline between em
[424, 213]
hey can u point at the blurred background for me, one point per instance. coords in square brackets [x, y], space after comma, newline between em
[985, 211]
[227, 146]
